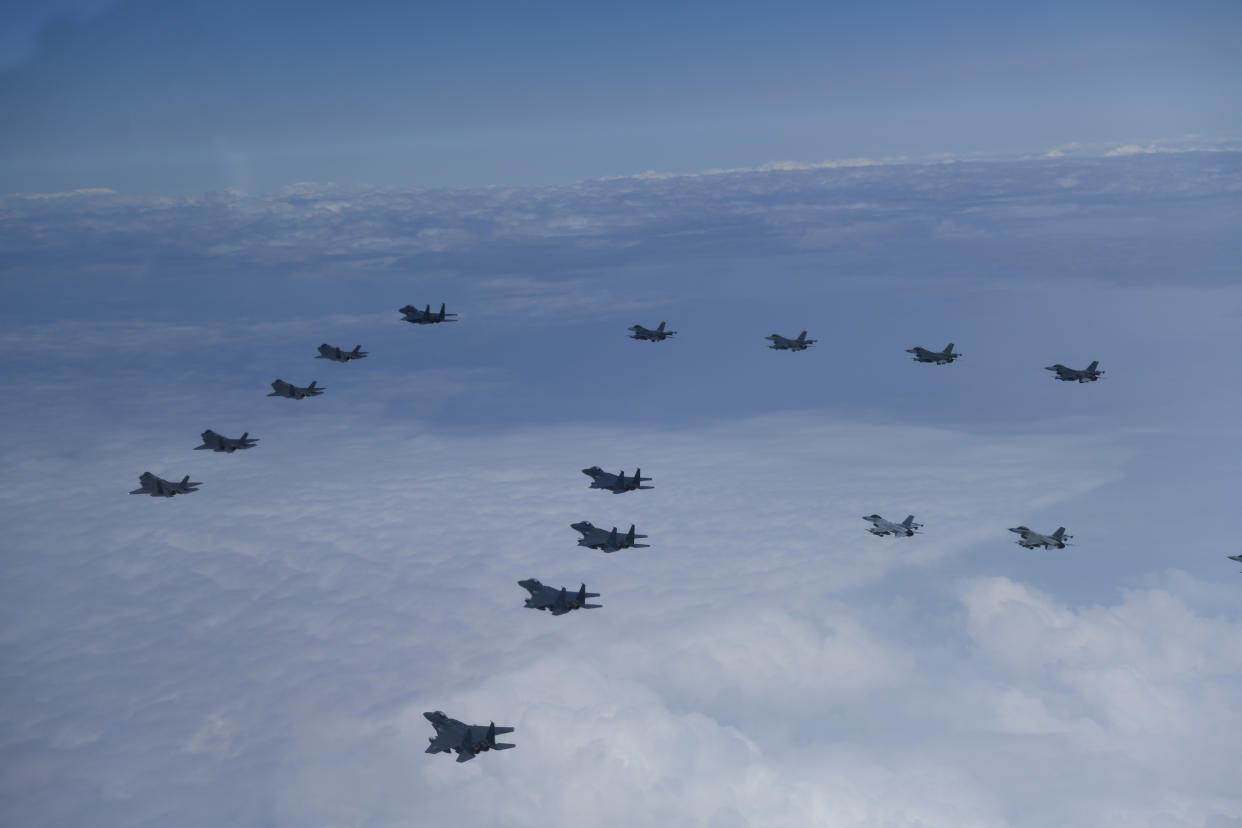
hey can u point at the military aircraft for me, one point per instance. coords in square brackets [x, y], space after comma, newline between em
[881, 527]
[944, 357]
[218, 442]
[615, 483]
[557, 601]
[1088, 374]
[468, 741]
[595, 538]
[780, 343]
[425, 316]
[327, 351]
[1030, 540]
[658, 335]
[293, 392]
[1237, 558]
[159, 487]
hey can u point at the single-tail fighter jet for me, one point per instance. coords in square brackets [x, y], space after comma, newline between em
[468, 741]
[881, 527]
[327, 351]
[944, 357]
[780, 343]
[615, 483]
[218, 442]
[595, 538]
[1030, 539]
[425, 316]
[558, 601]
[1088, 374]
[159, 487]
[280, 388]
[658, 335]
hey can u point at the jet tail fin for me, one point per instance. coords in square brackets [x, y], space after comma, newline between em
[908, 522]
[661, 328]
[802, 336]
[1060, 533]
[1094, 364]
[948, 349]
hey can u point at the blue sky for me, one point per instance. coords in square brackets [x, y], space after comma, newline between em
[203, 194]
[188, 97]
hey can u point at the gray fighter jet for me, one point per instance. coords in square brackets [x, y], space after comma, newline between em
[881, 527]
[280, 388]
[595, 538]
[658, 335]
[218, 442]
[159, 487]
[944, 357]
[1088, 374]
[327, 351]
[558, 601]
[468, 741]
[1237, 558]
[1030, 539]
[615, 483]
[425, 316]
[780, 343]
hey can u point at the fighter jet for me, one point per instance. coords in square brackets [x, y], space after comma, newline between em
[780, 343]
[658, 335]
[293, 392]
[944, 357]
[559, 601]
[1030, 540]
[425, 316]
[218, 442]
[881, 527]
[615, 483]
[327, 351]
[595, 538]
[1237, 558]
[1088, 374]
[468, 741]
[159, 487]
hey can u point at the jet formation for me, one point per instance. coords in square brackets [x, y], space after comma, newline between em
[280, 388]
[1088, 374]
[944, 357]
[159, 487]
[557, 601]
[1031, 539]
[425, 316]
[468, 741]
[595, 538]
[335, 354]
[218, 442]
[780, 343]
[615, 483]
[658, 335]
[881, 527]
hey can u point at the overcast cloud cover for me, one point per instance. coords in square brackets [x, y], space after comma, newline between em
[259, 654]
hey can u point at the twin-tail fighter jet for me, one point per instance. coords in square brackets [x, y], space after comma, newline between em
[595, 538]
[280, 388]
[780, 343]
[944, 357]
[1031, 539]
[615, 483]
[335, 354]
[218, 442]
[1088, 374]
[658, 335]
[881, 527]
[468, 741]
[425, 316]
[159, 487]
[557, 601]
